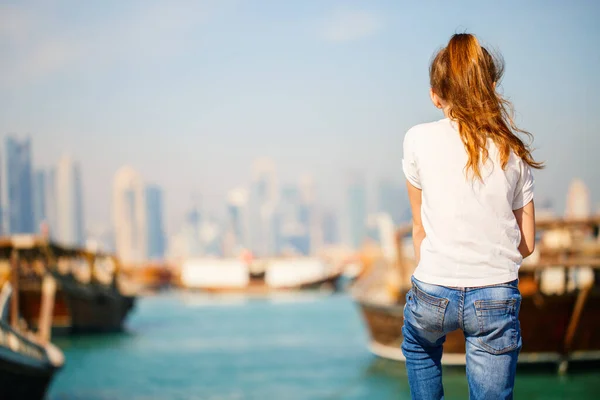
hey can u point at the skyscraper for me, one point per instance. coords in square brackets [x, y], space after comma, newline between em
[384, 233]
[357, 212]
[211, 237]
[69, 203]
[39, 199]
[238, 218]
[51, 203]
[192, 228]
[330, 228]
[309, 214]
[199, 235]
[18, 187]
[292, 219]
[185, 243]
[579, 204]
[154, 213]
[393, 200]
[129, 216]
[263, 202]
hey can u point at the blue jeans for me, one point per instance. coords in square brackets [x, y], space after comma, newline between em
[489, 318]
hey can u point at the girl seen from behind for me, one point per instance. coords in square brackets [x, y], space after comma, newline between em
[471, 192]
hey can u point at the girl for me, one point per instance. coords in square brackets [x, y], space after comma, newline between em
[471, 192]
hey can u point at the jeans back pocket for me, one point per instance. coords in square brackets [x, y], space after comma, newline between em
[498, 325]
[427, 310]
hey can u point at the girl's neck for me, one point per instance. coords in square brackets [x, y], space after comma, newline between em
[446, 111]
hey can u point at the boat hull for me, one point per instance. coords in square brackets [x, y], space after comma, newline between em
[544, 324]
[26, 368]
[98, 311]
[260, 287]
[79, 308]
[19, 382]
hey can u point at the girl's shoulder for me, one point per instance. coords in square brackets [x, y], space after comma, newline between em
[430, 128]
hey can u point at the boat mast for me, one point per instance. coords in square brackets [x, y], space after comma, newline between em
[46, 308]
[14, 299]
[402, 261]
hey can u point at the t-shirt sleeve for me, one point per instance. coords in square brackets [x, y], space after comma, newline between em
[409, 161]
[524, 189]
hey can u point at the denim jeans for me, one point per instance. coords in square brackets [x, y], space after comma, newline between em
[489, 318]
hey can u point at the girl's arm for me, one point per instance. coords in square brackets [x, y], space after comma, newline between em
[414, 195]
[526, 220]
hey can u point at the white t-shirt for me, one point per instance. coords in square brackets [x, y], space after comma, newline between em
[472, 236]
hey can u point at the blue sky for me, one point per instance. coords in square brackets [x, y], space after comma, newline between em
[189, 93]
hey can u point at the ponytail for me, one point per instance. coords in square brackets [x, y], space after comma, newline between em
[465, 75]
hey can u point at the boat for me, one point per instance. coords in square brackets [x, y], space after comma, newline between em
[257, 277]
[559, 284]
[92, 296]
[153, 277]
[28, 361]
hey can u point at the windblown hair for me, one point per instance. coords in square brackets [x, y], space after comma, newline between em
[465, 75]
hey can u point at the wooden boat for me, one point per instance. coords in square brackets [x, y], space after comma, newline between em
[91, 294]
[152, 277]
[559, 283]
[258, 277]
[28, 361]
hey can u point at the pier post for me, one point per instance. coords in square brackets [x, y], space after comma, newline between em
[563, 366]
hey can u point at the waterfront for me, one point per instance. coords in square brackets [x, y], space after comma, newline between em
[184, 346]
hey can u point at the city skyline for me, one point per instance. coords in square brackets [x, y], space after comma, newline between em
[265, 216]
[381, 193]
[191, 95]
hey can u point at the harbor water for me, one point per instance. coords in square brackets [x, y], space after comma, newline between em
[184, 346]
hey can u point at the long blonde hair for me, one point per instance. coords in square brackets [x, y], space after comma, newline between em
[464, 74]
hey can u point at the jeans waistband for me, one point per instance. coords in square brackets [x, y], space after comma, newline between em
[513, 283]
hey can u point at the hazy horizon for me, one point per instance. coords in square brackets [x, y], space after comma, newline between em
[189, 94]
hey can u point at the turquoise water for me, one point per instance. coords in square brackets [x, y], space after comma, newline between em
[189, 346]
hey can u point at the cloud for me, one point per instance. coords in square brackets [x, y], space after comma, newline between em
[349, 26]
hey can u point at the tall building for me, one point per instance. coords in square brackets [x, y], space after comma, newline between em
[357, 212]
[18, 187]
[383, 232]
[579, 204]
[198, 236]
[192, 227]
[211, 237]
[69, 203]
[393, 200]
[263, 202]
[129, 216]
[39, 199]
[194, 220]
[292, 222]
[238, 219]
[154, 213]
[310, 216]
[51, 203]
[185, 243]
[330, 228]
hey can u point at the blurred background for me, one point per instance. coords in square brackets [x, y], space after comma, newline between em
[226, 165]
